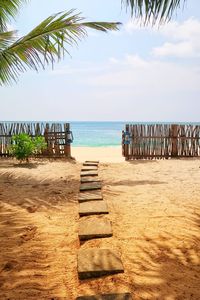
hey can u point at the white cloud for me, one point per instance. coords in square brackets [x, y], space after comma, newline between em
[143, 76]
[184, 39]
[126, 88]
[141, 89]
[132, 26]
[182, 49]
[189, 29]
[79, 68]
[137, 24]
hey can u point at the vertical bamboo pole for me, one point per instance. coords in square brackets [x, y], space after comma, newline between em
[126, 146]
[67, 147]
[174, 133]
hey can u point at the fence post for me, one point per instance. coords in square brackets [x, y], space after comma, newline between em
[46, 151]
[67, 147]
[123, 138]
[126, 146]
[174, 134]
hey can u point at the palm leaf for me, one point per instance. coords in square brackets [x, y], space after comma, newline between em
[8, 11]
[6, 39]
[45, 43]
[153, 10]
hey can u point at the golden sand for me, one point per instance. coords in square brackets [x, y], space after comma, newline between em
[155, 212]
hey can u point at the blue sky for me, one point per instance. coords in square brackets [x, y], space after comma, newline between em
[136, 74]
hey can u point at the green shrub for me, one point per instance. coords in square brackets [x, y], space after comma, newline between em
[24, 146]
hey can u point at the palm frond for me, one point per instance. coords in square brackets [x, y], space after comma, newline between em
[153, 10]
[6, 39]
[46, 43]
[8, 11]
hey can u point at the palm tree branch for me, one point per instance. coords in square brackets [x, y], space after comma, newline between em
[7, 38]
[46, 43]
[153, 10]
[8, 11]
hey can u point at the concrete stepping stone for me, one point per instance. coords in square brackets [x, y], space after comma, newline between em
[93, 208]
[89, 196]
[124, 296]
[89, 168]
[95, 262]
[92, 161]
[90, 164]
[94, 227]
[90, 179]
[90, 186]
[89, 173]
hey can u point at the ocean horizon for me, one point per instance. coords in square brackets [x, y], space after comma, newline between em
[98, 133]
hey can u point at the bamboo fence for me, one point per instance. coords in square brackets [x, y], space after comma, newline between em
[148, 141]
[57, 136]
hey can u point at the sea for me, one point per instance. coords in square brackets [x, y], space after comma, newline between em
[97, 134]
[104, 134]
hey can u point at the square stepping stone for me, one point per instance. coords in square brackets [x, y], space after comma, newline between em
[90, 186]
[93, 208]
[90, 164]
[89, 168]
[95, 262]
[94, 227]
[89, 173]
[124, 296]
[89, 179]
[88, 196]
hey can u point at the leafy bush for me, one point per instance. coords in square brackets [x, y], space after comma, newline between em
[24, 146]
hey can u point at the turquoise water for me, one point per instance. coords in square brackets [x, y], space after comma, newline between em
[97, 134]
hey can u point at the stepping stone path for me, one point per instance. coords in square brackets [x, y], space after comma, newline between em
[90, 164]
[126, 296]
[90, 186]
[89, 168]
[85, 179]
[90, 196]
[94, 227]
[93, 208]
[95, 262]
[89, 173]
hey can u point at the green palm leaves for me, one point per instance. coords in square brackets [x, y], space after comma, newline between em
[44, 45]
[153, 10]
[8, 11]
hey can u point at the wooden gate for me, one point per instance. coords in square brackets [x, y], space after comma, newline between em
[143, 141]
[57, 135]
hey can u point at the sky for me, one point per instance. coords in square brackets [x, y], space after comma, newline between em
[139, 73]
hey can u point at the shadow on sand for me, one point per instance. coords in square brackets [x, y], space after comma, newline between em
[34, 223]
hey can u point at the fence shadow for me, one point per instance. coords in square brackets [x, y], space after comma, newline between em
[37, 232]
[33, 163]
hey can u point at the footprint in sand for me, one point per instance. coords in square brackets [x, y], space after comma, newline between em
[9, 266]
[29, 234]
[32, 209]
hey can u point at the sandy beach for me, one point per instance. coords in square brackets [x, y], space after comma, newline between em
[103, 154]
[154, 207]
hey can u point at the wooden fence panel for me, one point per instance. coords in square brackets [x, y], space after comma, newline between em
[57, 136]
[160, 141]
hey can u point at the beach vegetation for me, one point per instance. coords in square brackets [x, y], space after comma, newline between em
[23, 146]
